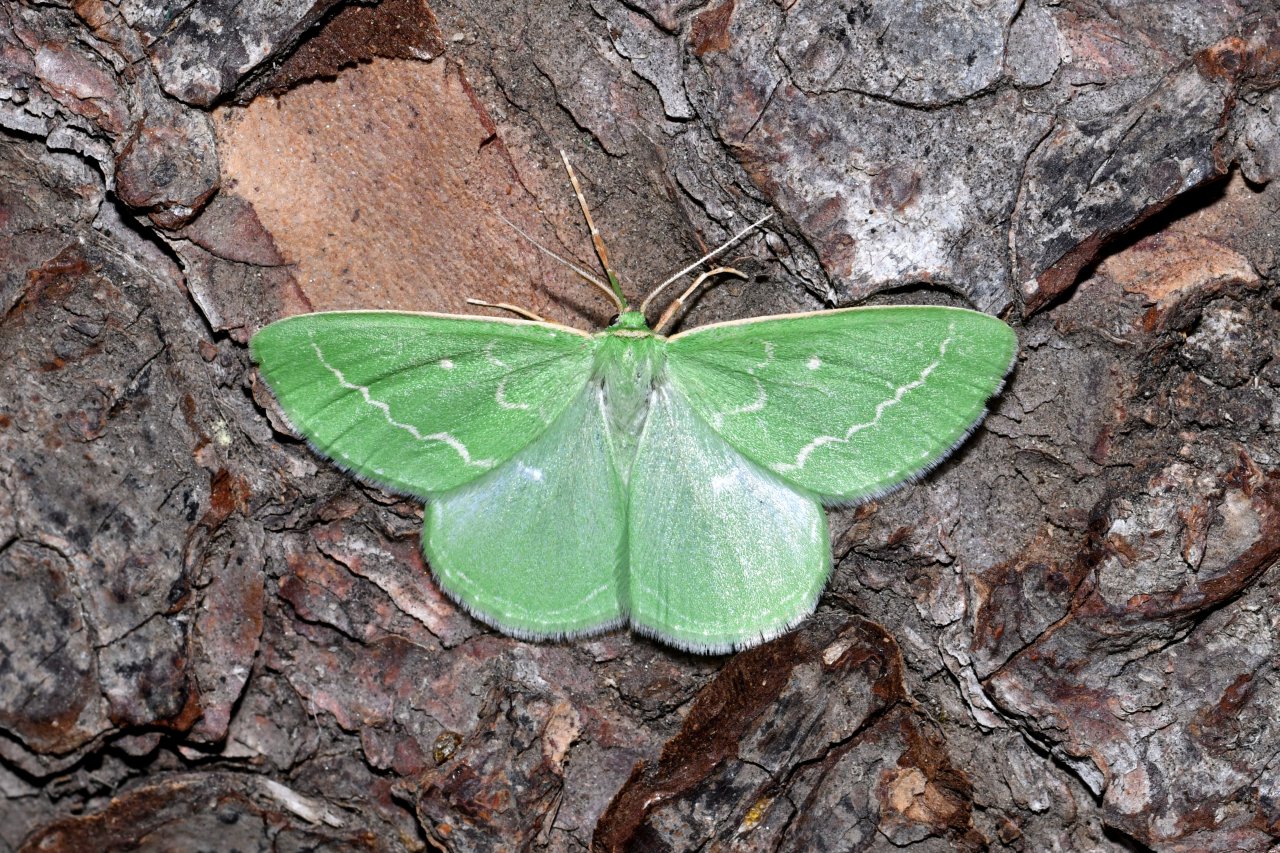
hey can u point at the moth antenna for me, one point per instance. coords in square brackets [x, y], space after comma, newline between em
[586, 276]
[678, 302]
[644, 306]
[507, 306]
[596, 240]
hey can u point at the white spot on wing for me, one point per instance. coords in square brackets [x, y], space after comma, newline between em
[898, 394]
[814, 363]
[537, 475]
[443, 437]
[446, 364]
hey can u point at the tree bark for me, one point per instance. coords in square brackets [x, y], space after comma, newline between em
[1064, 638]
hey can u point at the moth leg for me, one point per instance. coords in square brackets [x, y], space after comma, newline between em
[507, 306]
[678, 302]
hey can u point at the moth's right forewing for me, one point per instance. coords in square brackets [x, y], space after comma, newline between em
[846, 403]
[421, 403]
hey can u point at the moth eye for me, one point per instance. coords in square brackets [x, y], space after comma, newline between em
[614, 319]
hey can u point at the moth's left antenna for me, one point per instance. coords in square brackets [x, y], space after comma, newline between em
[507, 306]
[586, 276]
[596, 240]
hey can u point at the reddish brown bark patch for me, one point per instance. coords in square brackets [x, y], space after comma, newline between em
[710, 32]
[394, 29]
[771, 743]
[383, 188]
[189, 812]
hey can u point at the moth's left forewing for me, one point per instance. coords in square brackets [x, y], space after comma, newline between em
[417, 402]
[846, 403]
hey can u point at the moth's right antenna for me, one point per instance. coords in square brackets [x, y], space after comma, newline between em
[678, 302]
[644, 306]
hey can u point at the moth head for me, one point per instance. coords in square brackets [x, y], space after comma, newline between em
[631, 321]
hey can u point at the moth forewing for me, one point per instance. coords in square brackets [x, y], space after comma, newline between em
[420, 402]
[846, 403]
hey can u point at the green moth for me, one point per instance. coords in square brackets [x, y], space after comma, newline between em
[575, 482]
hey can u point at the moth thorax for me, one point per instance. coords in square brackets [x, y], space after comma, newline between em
[627, 370]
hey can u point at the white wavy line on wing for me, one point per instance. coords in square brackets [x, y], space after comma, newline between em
[762, 397]
[443, 437]
[803, 456]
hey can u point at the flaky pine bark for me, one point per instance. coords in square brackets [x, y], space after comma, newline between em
[1065, 638]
